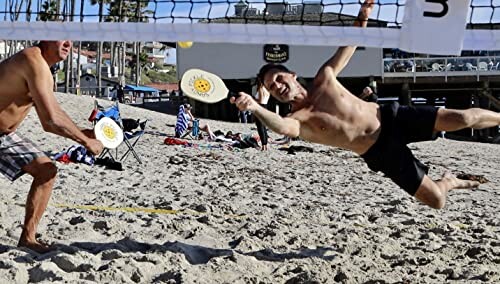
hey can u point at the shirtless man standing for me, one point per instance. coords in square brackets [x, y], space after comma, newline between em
[329, 114]
[26, 81]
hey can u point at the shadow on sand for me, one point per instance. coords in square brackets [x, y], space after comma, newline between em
[194, 254]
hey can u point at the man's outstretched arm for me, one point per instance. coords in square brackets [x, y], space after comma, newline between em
[339, 61]
[52, 117]
[283, 125]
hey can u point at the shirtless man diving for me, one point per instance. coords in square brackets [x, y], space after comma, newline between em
[329, 114]
[26, 81]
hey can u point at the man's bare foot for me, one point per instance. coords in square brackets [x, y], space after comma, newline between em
[479, 178]
[37, 246]
[460, 183]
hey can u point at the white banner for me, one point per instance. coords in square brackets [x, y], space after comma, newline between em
[250, 34]
[434, 26]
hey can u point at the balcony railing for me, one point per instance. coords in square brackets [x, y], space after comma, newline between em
[441, 67]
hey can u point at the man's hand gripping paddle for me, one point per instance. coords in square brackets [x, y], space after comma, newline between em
[204, 86]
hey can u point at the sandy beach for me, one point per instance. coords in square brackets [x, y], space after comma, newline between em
[210, 215]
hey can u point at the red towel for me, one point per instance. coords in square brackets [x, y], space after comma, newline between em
[175, 141]
[64, 158]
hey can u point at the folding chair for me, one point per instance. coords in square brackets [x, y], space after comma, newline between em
[130, 136]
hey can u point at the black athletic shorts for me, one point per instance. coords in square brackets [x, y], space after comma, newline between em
[402, 125]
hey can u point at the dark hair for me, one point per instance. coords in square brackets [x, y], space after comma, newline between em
[266, 68]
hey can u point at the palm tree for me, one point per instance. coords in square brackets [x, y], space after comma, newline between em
[121, 11]
[99, 44]
[78, 65]
[68, 80]
[116, 14]
[14, 12]
[129, 11]
[50, 12]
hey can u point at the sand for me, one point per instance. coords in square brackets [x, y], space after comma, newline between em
[245, 216]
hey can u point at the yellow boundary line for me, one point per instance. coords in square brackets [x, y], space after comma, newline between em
[137, 209]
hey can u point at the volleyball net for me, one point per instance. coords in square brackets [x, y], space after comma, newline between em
[427, 26]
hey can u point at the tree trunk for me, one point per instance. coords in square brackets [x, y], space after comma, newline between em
[68, 80]
[123, 59]
[99, 53]
[98, 68]
[113, 58]
[78, 68]
[137, 64]
[78, 61]
[122, 51]
[67, 70]
[138, 50]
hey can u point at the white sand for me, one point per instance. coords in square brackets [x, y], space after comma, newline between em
[268, 217]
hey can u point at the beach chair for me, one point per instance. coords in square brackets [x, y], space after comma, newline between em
[495, 66]
[436, 67]
[182, 128]
[482, 66]
[133, 130]
[470, 67]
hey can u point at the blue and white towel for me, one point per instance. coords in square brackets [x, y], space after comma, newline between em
[182, 122]
[78, 154]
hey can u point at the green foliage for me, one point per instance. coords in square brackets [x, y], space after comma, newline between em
[125, 11]
[60, 75]
[143, 60]
[161, 77]
[145, 79]
[49, 11]
[153, 76]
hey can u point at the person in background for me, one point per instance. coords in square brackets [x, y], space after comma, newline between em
[185, 122]
[120, 93]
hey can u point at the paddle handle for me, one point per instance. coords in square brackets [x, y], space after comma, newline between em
[233, 94]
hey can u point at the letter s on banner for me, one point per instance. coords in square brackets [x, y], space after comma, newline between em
[434, 26]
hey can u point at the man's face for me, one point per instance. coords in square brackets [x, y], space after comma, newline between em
[282, 85]
[63, 48]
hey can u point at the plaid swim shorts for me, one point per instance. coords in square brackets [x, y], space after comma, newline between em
[15, 153]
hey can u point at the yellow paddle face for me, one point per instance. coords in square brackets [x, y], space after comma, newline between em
[108, 132]
[203, 86]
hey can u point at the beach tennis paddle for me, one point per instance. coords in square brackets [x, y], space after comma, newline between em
[204, 86]
[108, 132]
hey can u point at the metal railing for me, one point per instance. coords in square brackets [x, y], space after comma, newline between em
[441, 67]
